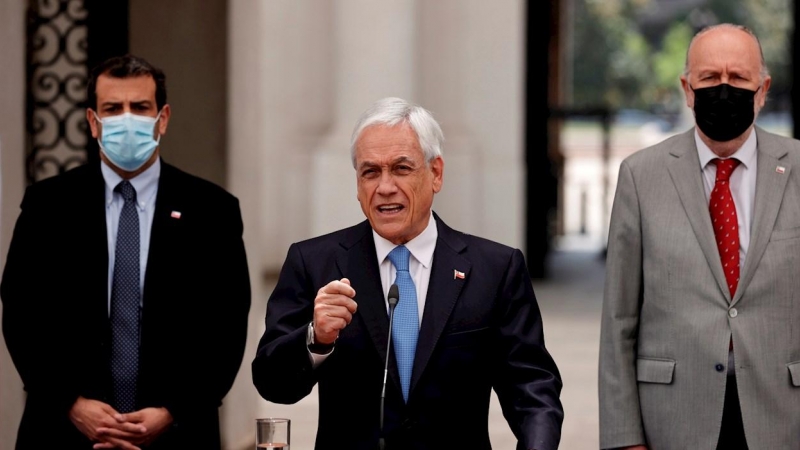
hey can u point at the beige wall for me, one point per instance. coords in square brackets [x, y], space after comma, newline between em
[12, 183]
[187, 39]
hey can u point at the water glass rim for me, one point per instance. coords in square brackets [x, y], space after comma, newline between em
[273, 419]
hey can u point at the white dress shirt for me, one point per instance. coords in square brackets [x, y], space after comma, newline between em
[742, 184]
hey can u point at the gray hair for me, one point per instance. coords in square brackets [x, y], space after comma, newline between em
[391, 111]
[763, 73]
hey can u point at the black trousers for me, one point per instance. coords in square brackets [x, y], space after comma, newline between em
[731, 436]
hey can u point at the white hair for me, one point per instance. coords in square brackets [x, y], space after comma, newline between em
[391, 111]
[763, 73]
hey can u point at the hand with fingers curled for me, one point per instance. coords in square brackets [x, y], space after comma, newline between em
[333, 310]
[153, 422]
[93, 418]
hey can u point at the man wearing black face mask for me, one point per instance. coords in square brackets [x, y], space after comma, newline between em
[699, 344]
[126, 290]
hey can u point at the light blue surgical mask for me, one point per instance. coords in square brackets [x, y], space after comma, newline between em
[127, 139]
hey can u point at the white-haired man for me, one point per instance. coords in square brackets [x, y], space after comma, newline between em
[467, 320]
[699, 344]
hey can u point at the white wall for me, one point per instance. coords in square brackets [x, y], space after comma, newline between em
[12, 183]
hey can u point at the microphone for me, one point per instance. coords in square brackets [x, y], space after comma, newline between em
[393, 298]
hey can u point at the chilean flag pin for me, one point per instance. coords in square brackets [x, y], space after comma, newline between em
[175, 214]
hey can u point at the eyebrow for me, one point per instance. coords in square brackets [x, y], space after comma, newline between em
[140, 103]
[398, 160]
[732, 70]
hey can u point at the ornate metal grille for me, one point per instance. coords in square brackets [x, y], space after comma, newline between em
[57, 76]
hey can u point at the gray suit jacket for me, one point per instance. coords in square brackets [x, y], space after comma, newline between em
[668, 316]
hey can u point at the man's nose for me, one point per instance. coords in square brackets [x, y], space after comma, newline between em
[386, 185]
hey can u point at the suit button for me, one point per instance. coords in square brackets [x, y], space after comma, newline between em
[733, 312]
[719, 367]
[408, 424]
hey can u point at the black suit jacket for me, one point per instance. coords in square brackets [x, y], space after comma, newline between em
[477, 333]
[195, 303]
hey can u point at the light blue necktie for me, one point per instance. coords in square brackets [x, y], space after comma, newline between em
[405, 326]
[125, 298]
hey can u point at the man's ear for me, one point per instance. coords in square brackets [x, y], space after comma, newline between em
[761, 96]
[163, 120]
[437, 168]
[687, 92]
[94, 125]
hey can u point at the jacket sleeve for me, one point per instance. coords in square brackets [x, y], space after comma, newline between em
[31, 328]
[620, 414]
[282, 370]
[528, 384]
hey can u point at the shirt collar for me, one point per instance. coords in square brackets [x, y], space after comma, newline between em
[421, 247]
[146, 183]
[745, 154]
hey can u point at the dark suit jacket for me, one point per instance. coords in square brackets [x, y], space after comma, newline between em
[477, 333]
[195, 303]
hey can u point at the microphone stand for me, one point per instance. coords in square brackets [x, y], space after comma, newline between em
[393, 298]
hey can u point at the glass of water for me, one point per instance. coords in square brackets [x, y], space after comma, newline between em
[272, 433]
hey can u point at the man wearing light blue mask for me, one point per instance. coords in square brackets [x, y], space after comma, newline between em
[129, 332]
[128, 125]
[127, 140]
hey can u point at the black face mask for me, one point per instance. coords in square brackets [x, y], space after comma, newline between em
[723, 112]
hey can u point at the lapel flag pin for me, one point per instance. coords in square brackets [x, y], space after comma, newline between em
[780, 169]
[175, 214]
[457, 274]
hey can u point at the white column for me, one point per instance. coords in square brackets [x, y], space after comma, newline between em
[12, 185]
[374, 57]
[495, 112]
[471, 77]
[280, 104]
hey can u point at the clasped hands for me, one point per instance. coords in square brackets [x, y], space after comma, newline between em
[109, 429]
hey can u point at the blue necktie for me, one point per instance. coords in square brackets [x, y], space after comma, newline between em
[405, 326]
[125, 300]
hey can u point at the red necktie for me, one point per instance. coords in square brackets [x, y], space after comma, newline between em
[724, 220]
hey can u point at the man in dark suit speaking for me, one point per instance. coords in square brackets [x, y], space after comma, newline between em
[467, 319]
[126, 289]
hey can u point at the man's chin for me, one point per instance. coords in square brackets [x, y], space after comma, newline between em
[392, 232]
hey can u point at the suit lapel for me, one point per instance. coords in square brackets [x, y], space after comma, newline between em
[359, 263]
[769, 191]
[443, 291]
[97, 234]
[162, 231]
[686, 174]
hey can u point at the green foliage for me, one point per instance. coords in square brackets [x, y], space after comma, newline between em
[615, 65]
[668, 65]
[771, 20]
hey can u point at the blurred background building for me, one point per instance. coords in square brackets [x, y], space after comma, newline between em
[539, 102]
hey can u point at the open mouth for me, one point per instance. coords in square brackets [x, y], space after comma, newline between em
[393, 208]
